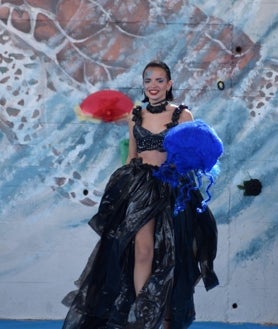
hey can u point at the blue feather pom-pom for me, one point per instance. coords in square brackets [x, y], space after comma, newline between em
[190, 146]
[193, 145]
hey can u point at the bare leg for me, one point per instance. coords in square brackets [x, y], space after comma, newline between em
[144, 250]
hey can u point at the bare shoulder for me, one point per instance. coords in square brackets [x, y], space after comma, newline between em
[186, 115]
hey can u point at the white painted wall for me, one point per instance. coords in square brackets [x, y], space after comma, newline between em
[48, 156]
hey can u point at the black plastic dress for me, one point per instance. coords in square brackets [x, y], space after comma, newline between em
[185, 247]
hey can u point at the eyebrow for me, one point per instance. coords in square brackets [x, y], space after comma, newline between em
[158, 78]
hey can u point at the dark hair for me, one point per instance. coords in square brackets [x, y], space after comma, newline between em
[163, 66]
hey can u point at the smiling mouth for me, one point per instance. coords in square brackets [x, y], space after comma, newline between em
[153, 92]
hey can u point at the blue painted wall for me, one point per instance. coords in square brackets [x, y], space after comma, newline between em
[54, 167]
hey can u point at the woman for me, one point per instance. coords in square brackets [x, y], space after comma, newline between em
[143, 270]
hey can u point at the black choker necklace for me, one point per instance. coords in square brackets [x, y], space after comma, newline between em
[157, 108]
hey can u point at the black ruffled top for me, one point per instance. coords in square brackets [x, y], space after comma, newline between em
[145, 139]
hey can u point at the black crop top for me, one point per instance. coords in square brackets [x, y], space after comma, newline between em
[145, 139]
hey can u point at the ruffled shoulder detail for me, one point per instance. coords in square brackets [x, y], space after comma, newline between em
[137, 115]
[176, 115]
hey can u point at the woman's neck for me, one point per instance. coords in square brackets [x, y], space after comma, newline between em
[156, 103]
[157, 107]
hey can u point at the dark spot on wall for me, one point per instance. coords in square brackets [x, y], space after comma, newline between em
[76, 175]
[259, 105]
[251, 187]
[12, 111]
[220, 85]
[269, 85]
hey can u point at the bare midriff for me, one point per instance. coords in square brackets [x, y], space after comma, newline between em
[153, 157]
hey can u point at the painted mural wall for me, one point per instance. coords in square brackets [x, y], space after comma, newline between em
[54, 164]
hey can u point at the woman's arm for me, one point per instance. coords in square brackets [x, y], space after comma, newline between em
[132, 149]
[186, 115]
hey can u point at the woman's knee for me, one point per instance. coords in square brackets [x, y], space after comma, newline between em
[143, 251]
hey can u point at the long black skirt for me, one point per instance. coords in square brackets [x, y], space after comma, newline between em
[184, 250]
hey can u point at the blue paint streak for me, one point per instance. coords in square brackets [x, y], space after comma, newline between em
[77, 224]
[258, 245]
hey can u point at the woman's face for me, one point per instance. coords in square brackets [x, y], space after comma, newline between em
[156, 84]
